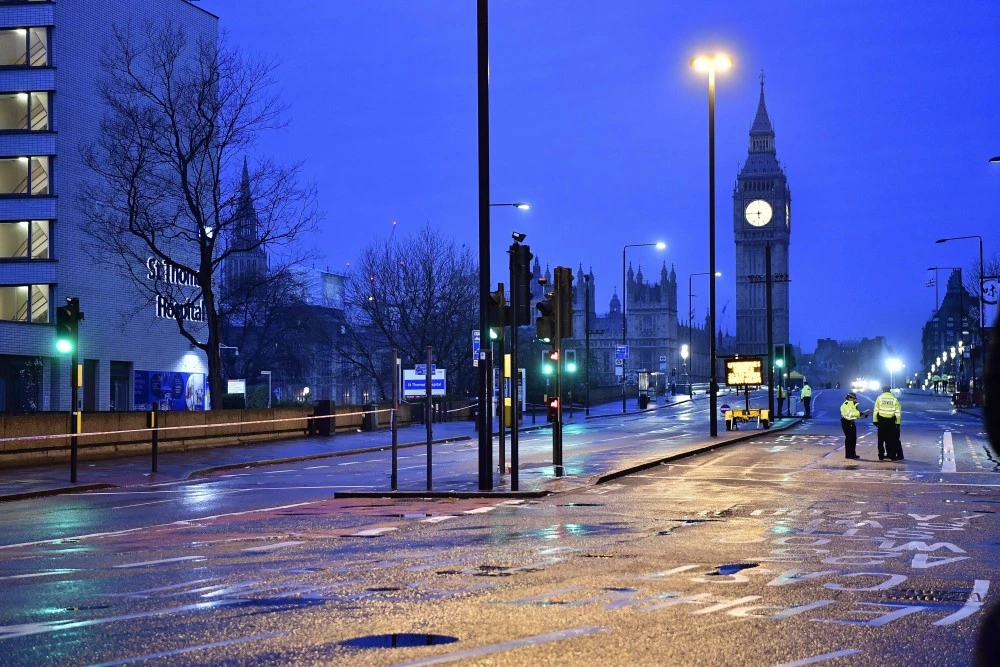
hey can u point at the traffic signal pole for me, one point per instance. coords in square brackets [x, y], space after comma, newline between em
[557, 458]
[74, 415]
[770, 334]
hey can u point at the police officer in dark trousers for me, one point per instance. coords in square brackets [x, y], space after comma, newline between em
[886, 415]
[806, 394]
[781, 398]
[849, 413]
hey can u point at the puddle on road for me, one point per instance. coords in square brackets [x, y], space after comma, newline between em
[398, 640]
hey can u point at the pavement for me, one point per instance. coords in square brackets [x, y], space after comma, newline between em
[48, 480]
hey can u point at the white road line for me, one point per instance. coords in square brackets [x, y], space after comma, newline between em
[188, 649]
[275, 472]
[36, 574]
[349, 463]
[316, 467]
[973, 604]
[271, 547]
[947, 453]
[182, 522]
[821, 658]
[371, 532]
[152, 502]
[179, 559]
[479, 510]
[438, 519]
[26, 629]
[507, 646]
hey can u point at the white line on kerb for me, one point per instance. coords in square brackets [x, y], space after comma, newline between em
[947, 453]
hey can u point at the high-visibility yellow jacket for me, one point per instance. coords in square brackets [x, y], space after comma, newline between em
[781, 392]
[849, 410]
[886, 406]
[806, 392]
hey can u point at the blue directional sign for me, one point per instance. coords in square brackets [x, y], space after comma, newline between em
[621, 351]
[421, 369]
[475, 347]
[420, 386]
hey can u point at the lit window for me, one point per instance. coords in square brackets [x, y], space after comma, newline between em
[25, 239]
[24, 111]
[23, 175]
[24, 46]
[23, 303]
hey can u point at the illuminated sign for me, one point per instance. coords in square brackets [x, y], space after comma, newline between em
[163, 271]
[746, 371]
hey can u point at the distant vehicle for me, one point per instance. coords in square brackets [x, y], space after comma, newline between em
[860, 384]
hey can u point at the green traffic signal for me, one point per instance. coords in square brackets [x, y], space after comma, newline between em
[66, 331]
[570, 366]
[546, 369]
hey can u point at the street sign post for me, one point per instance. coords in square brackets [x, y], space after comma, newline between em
[621, 351]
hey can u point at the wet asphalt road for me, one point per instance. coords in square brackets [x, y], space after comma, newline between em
[776, 551]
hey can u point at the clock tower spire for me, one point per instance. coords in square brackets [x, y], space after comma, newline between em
[761, 216]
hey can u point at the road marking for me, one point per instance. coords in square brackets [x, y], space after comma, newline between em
[479, 510]
[973, 604]
[275, 472]
[507, 646]
[182, 522]
[271, 547]
[179, 559]
[152, 502]
[316, 467]
[947, 453]
[438, 519]
[188, 649]
[821, 658]
[372, 532]
[36, 574]
[25, 629]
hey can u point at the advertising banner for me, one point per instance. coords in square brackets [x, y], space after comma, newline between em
[169, 390]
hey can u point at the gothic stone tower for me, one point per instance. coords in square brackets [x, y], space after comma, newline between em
[761, 215]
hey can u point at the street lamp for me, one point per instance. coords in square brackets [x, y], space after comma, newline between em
[659, 245]
[517, 204]
[709, 64]
[893, 365]
[268, 374]
[685, 350]
[718, 274]
[982, 271]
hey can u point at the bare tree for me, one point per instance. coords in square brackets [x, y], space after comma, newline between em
[181, 116]
[408, 295]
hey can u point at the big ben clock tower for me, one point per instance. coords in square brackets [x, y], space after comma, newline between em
[761, 215]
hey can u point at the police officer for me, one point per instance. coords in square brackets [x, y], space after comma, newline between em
[886, 416]
[849, 413]
[782, 394]
[806, 395]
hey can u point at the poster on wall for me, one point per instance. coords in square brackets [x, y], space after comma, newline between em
[169, 390]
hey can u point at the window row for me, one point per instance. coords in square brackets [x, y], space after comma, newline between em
[25, 239]
[24, 303]
[24, 47]
[24, 111]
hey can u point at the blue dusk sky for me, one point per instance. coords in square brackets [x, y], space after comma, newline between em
[885, 115]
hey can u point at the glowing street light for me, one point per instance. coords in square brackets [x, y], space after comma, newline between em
[893, 365]
[710, 64]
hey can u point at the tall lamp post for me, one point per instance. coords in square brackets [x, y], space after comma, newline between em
[893, 365]
[710, 64]
[659, 245]
[691, 315]
[982, 271]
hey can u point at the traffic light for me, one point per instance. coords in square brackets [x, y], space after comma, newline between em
[553, 411]
[497, 313]
[67, 326]
[521, 271]
[545, 325]
[564, 297]
[784, 357]
[570, 361]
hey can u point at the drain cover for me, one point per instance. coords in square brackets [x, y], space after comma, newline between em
[397, 640]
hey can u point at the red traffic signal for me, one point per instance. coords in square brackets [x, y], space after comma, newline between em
[553, 410]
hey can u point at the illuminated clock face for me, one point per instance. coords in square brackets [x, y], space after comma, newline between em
[758, 213]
